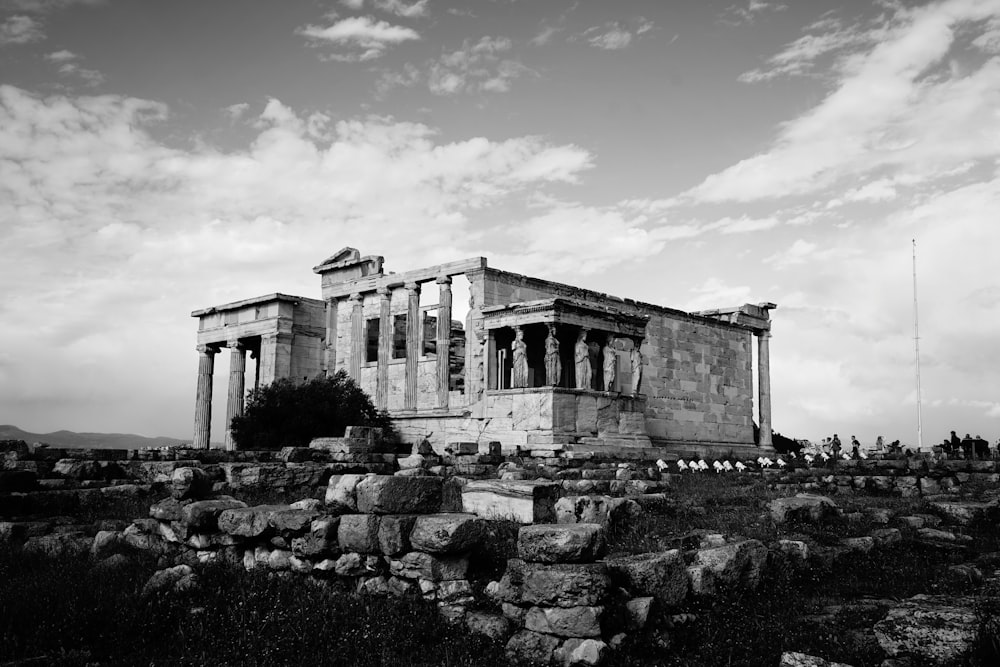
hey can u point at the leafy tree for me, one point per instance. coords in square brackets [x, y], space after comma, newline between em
[287, 414]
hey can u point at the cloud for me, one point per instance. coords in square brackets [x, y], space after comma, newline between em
[800, 56]
[363, 37]
[614, 36]
[740, 14]
[399, 8]
[45, 6]
[892, 107]
[68, 66]
[476, 67]
[236, 111]
[20, 29]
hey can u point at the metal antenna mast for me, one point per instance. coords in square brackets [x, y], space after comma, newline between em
[916, 346]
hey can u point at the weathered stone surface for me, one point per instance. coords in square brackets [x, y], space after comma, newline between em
[455, 591]
[558, 585]
[293, 520]
[279, 559]
[355, 565]
[939, 629]
[190, 483]
[59, 545]
[793, 659]
[394, 533]
[737, 564]
[612, 513]
[172, 579]
[203, 515]
[805, 507]
[18, 481]
[554, 543]
[341, 492]
[858, 544]
[446, 533]
[581, 653]
[885, 536]
[965, 512]
[311, 504]
[565, 621]
[531, 647]
[389, 494]
[420, 565]
[637, 612]
[359, 532]
[518, 500]
[660, 575]
[168, 509]
[248, 521]
[106, 543]
[495, 626]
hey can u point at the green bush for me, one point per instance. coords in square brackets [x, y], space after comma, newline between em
[287, 414]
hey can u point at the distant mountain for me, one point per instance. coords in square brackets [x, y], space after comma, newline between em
[88, 440]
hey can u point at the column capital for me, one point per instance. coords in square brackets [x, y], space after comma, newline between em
[237, 345]
[412, 288]
[207, 349]
[384, 292]
[764, 333]
[356, 297]
[443, 280]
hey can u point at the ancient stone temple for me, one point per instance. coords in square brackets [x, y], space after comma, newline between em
[533, 364]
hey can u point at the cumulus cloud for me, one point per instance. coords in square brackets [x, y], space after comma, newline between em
[614, 35]
[20, 29]
[476, 67]
[361, 37]
[892, 106]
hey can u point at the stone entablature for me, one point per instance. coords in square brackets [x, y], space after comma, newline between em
[440, 378]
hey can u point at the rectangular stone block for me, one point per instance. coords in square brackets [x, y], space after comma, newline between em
[559, 585]
[391, 494]
[394, 533]
[520, 500]
[359, 533]
[419, 565]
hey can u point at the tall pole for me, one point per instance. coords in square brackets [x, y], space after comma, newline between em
[916, 346]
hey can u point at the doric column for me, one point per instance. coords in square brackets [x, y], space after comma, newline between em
[444, 341]
[413, 330]
[357, 335]
[330, 353]
[234, 405]
[203, 398]
[764, 388]
[384, 348]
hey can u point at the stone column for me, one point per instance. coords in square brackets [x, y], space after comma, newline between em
[490, 354]
[384, 348]
[444, 341]
[357, 336]
[203, 398]
[234, 405]
[764, 388]
[330, 354]
[413, 331]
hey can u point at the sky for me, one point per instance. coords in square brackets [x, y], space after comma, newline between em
[160, 157]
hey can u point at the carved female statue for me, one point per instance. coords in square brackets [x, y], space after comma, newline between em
[610, 364]
[520, 360]
[635, 361]
[581, 354]
[553, 367]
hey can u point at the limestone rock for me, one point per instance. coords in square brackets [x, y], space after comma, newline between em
[531, 647]
[341, 492]
[793, 659]
[203, 515]
[938, 629]
[637, 611]
[661, 575]
[292, 520]
[394, 533]
[559, 585]
[554, 543]
[248, 521]
[963, 513]
[171, 579]
[168, 509]
[190, 483]
[59, 545]
[446, 533]
[494, 626]
[737, 564]
[420, 565]
[612, 513]
[518, 500]
[310, 504]
[455, 591]
[804, 507]
[581, 653]
[565, 621]
[106, 543]
[389, 494]
[359, 532]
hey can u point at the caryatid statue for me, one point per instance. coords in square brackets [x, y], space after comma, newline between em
[610, 363]
[581, 355]
[520, 357]
[553, 366]
[635, 361]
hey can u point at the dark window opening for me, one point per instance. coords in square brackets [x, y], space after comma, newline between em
[399, 337]
[371, 339]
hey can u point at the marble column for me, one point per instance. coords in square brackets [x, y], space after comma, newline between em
[764, 388]
[413, 331]
[357, 335]
[444, 341]
[234, 404]
[330, 354]
[203, 398]
[384, 348]
[490, 353]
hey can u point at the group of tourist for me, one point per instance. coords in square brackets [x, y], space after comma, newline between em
[967, 448]
[835, 448]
